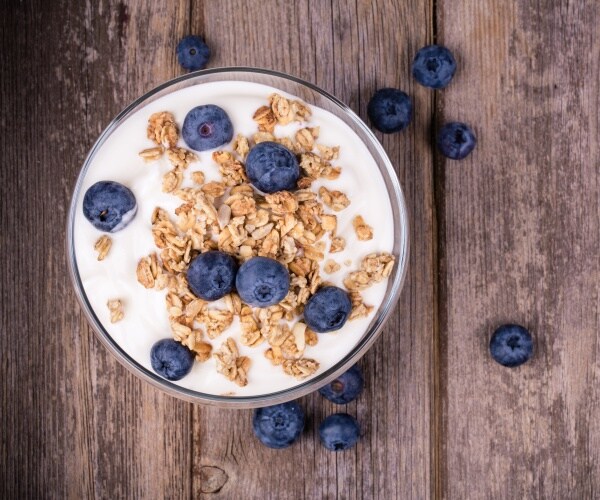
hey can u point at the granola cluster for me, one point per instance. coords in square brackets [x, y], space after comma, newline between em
[230, 216]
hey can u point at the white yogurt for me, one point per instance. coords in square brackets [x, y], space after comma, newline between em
[146, 319]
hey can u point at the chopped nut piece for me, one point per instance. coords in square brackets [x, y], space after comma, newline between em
[329, 223]
[282, 202]
[337, 244]
[172, 180]
[162, 129]
[216, 321]
[116, 310]
[265, 119]
[214, 189]
[152, 154]
[240, 146]
[331, 266]
[198, 177]
[336, 200]
[329, 153]
[300, 368]
[281, 109]
[231, 364]
[102, 246]
[363, 231]
[373, 269]
[224, 215]
[299, 333]
[147, 271]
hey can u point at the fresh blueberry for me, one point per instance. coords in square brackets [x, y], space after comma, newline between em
[278, 426]
[211, 275]
[390, 110]
[345, 388]
[262, 282]
[339, 431]
[170, 359]
[193, 53]
[434, 66]
[206, 127]
[456, 140]
[272, 167]
[327, 310]
[511, 345]
[109, 206]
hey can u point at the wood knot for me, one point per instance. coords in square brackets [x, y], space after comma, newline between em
[212, 479]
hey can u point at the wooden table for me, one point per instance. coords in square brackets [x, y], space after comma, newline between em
[508, 235]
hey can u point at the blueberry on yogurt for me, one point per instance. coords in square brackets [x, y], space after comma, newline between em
[278, 426]
[170, 359]
[262, 282]
[272, 167]
[206, 127]
[211, 275]
[328, 309]
[109, 206]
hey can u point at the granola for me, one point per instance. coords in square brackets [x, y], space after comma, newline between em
[102, 246]
[229, 215]
[115, 308]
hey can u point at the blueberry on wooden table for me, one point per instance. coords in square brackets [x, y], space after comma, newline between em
[390, 110]
[262, 282]
[211, 275]
[346, 388]
[171, 359]
[109, 206]
[272, 167]
[193, 53]
[339, 432]
[278, 426]
[456, 140]
[328, 309]
[434, 66]
[206, 127]
[511, 345]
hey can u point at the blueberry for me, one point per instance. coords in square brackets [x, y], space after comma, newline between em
[434, 66]
[170, 359]
[262, 282]
[390, 110]
[278, 426]
[109, 206]
[327, 310]
[211, 275]
[272, 167]
[339, 431]
[206, 127]
[511, 345]
[456, 140]
[193, 53]
[345, 388]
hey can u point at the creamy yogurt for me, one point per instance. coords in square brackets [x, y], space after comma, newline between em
[146, 318]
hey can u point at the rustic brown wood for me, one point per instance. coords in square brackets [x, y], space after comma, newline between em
[349, 49]
[75, 424]
[519, 239]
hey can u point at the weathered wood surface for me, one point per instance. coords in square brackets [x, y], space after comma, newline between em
[513, 237]
[519, 239]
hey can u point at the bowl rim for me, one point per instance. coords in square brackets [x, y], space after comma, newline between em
[401, 230]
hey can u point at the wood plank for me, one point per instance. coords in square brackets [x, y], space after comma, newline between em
[520, 237]
[349, 49]
[74, 423]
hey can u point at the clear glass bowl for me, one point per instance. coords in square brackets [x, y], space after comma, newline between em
[313, 96]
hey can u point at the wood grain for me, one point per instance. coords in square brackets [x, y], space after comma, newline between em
[74, 423]
[349, 49]
[519, 239]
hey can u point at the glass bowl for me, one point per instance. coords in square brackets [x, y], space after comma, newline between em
[312, 95]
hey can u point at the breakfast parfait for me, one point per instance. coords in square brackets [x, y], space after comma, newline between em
[233, 239]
